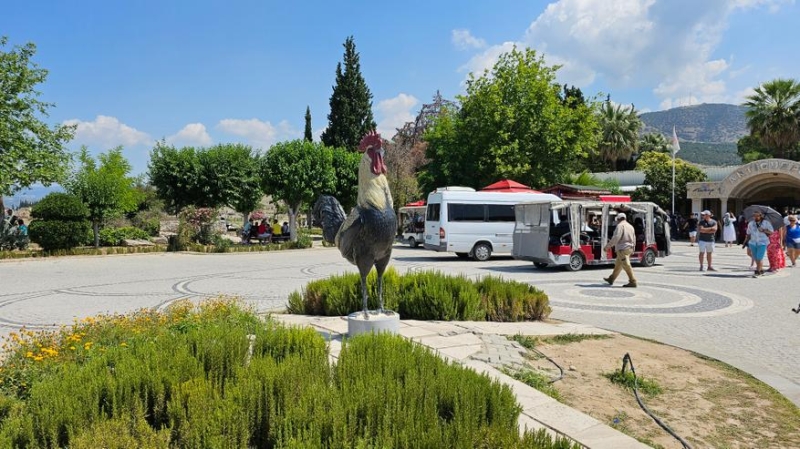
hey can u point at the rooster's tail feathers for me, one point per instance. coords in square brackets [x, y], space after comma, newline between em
[329, 214]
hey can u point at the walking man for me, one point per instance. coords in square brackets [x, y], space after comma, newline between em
[707, 229]
[623, 242]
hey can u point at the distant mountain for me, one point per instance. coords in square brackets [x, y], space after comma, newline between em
[707, 123]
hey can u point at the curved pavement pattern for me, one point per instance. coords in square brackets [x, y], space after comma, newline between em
[726, 314]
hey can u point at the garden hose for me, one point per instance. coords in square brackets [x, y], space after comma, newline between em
[560, 369]
[626, 360]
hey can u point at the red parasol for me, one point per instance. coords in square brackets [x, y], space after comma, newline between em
[508, 185]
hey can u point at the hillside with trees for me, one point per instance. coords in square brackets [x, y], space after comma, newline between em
[708, 132]
[709, 123]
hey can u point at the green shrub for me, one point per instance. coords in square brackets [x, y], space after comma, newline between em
[424, 296]
[192, 377]
[512, 301]
[116, 236]
[627, 380]
[59, 222]
[148, 221]
[60, 206]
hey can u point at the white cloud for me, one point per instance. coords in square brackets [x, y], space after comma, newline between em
[464, 40]
[394, 113]
[487, 59]
[641, 43]
[193, 134]
[259, 134]
[108, 132]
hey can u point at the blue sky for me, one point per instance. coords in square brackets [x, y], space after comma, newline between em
[205, 72]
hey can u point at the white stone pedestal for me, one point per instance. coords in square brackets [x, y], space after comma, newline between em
[387, 321]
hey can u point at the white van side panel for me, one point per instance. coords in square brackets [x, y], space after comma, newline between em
[461, 236]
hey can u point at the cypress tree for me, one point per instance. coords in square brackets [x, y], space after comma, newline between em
[351, 103]
[308, 135]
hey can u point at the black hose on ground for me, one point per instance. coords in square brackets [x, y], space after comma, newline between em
[626, 360]
[560, 369]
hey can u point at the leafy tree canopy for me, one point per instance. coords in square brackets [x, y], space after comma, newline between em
[30, 150]
[657, 168]
[230, 175]
[345, 167]
[175, 174]
[773, 115]
[296, 172]
[105, 188]
[513, 123]
[619, 130]
[351, 103]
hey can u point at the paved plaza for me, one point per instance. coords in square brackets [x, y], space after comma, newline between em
[725, 314]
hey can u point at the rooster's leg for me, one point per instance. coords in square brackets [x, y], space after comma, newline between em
[364, 294]
[380, 267]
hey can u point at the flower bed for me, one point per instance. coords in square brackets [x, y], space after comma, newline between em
[194, 377]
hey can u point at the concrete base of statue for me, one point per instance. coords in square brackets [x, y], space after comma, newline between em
[375, 322]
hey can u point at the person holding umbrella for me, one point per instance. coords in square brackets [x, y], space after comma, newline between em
[757, 239]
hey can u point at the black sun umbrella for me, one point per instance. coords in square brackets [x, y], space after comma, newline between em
[774, 217]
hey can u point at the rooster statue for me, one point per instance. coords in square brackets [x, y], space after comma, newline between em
[365, 237]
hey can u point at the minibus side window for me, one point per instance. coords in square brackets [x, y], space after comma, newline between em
[465, 212]
[433, 212]
[500, 212]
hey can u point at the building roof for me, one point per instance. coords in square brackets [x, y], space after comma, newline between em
[635, 178]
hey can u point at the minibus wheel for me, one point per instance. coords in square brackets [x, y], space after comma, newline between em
[412, 242]
[575, 261]
[648, 258]
[482, 252]
[540, 265]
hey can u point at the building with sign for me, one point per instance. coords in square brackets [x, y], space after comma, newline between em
[773, 182]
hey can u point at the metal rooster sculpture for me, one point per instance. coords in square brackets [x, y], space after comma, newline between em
[365, 237]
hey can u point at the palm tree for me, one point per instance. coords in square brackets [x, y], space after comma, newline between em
[654, 142]
[620, 133]
[773, 115]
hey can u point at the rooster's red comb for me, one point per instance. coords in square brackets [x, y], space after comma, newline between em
[371, 140]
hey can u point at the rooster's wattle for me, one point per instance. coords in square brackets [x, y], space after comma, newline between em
[365, 236]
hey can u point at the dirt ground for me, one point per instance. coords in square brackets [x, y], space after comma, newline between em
[708, 403]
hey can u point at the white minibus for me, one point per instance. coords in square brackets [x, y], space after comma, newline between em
[473, 224]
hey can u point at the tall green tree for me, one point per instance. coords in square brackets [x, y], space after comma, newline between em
[654, 142]
[750, 148]
[513, 123]
[175, 173]
[296, 172]
[307, 135]
[30, 150]
[619, 128]
[351, 103]
[657, 168]
[345, 168]
[230, 175]
[773, 115]
[105, 188]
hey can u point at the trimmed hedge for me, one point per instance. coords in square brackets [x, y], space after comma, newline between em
[116, 236]
[195, 378]
[427, 295]
[59, 222]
